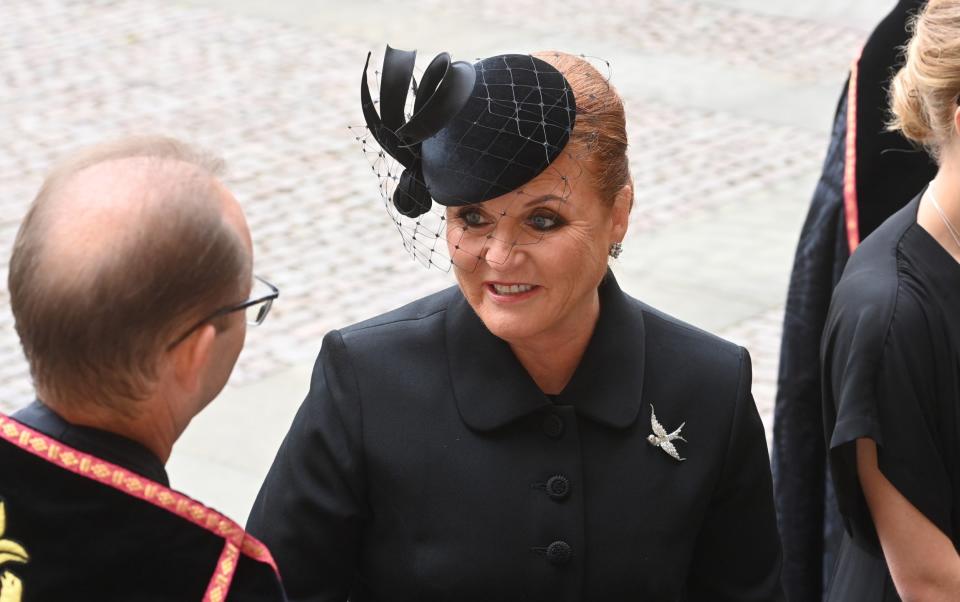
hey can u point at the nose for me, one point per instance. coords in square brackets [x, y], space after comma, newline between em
[498, 253]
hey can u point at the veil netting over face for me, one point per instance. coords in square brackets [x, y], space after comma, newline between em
[465, 134]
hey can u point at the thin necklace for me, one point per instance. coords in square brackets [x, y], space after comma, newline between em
[943, 216]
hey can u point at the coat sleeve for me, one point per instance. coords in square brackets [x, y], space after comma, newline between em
[311, 507]
[738, 555]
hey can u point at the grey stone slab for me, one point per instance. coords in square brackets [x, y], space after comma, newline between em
[723, 265]
[225, 454]
[856, 14]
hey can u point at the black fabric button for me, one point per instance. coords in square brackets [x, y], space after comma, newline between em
[553, 426]
[559, 553]
[558, 487]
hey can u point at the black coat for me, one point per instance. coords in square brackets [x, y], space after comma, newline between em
[425, 464]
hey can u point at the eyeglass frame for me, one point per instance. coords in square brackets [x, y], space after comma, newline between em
[229, 309]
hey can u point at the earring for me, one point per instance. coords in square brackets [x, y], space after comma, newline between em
[615, 249]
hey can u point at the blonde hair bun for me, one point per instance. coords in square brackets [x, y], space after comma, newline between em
[909, 111]
[923, 93]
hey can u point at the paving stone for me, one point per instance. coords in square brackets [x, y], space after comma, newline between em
[801, 49]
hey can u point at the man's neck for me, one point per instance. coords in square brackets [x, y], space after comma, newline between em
[151, 424]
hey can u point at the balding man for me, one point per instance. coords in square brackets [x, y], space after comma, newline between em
[131, 287]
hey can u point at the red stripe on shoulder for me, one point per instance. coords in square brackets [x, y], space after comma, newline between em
[219, 585]
[132, 484]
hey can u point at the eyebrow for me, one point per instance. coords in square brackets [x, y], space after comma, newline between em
[546, 198]
[540, 200]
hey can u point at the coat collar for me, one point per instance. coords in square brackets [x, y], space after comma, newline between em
[103, 444]
[493, 389]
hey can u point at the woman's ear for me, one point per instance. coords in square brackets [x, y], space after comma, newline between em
[620, 212]
[192, 356]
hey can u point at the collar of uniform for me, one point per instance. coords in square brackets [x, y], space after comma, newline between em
[104, 445]
[493, 389]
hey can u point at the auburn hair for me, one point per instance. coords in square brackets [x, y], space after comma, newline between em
[600, 129]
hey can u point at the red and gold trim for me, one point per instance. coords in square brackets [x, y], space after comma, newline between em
[850, 163]
[237, 540]
[226, 567]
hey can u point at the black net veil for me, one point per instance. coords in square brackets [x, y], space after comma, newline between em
[444, 140]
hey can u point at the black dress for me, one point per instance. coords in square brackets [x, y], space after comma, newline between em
[891, 371]
[91, 517]
[425, 464]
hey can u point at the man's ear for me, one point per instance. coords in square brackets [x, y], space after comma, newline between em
[620, 213]
[191, 357]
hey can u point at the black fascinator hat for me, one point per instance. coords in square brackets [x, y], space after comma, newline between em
[476, 131]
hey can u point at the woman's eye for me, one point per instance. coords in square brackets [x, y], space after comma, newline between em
[472, 218]
[544, 222]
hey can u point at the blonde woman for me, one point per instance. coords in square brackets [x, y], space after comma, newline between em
[891, 356]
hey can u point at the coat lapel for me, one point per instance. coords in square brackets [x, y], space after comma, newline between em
[492, 388]
[608, 383]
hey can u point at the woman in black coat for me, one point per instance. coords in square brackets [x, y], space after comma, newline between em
[533, 433]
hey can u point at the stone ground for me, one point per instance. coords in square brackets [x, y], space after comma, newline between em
[729, 106]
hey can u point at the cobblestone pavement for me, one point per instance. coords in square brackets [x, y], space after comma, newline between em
[731, 157]
[275, 99]
[802, 49]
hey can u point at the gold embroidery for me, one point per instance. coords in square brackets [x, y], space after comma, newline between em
[226, 566]
[69, 459]
[116, 477]
[11, 589]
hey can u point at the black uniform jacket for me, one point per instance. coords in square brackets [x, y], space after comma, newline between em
[77, 526]
[425, 464]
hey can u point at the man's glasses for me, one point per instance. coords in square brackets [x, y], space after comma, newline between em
[256, 307]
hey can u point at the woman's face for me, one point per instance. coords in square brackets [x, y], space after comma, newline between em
[529, 262]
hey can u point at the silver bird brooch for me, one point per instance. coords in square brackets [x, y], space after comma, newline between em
[664, 440]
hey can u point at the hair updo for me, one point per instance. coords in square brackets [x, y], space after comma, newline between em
[923, 94]
[600, 129]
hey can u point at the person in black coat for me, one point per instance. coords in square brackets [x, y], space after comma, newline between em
[868, 174]
[533, 433]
